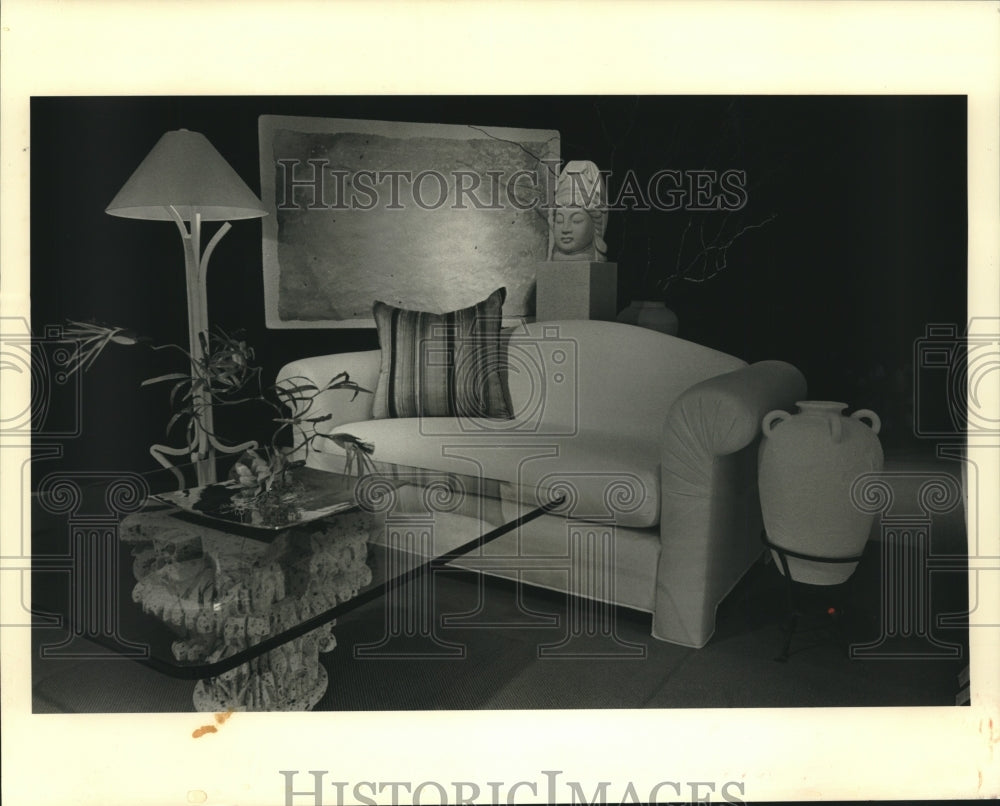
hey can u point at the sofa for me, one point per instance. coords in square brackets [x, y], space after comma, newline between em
[654, 438]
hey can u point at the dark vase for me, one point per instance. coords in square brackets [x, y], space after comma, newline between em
[650, 314]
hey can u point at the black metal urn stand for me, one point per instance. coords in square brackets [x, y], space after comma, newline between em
[825, 616]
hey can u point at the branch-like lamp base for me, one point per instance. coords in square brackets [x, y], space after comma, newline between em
[203, 444]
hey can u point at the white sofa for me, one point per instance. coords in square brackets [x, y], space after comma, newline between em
[650, 433]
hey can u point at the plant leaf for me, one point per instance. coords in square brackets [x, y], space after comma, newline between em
[291, 390]
[177, 388]
[171, 376]
[173, 420]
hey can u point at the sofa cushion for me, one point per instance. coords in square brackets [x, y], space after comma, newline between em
[604, 475]
[438, 365]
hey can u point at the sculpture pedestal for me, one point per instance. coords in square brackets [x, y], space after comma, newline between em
[576, 289]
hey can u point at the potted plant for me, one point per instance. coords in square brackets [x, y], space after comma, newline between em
[262, 486]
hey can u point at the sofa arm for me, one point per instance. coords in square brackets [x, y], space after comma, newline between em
[341, 405]
[723, 414]
[709, 506]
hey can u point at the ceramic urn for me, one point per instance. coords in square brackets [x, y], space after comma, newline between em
[808, 463]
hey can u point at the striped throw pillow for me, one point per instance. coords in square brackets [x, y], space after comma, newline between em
[442, 365]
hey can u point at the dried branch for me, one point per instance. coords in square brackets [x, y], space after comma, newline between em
[712, 257]
[521, 146]
[535, 194]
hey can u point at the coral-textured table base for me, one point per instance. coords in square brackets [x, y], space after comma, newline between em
[221, 593]
[259, 693]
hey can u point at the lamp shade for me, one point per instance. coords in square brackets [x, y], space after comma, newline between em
[185, 171]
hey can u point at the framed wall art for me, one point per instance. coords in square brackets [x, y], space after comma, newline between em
[425, 216]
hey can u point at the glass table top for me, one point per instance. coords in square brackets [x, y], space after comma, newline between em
[196, 594]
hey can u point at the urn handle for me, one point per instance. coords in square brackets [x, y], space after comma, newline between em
[861, 414]
[836, 427]
[771, 419]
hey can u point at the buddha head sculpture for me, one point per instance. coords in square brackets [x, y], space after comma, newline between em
[580, 216]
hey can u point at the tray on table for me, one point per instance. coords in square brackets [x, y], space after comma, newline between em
[318, 494]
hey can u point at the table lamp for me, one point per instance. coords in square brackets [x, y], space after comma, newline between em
[185, 180]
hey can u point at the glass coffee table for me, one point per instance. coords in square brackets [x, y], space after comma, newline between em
[246, 608]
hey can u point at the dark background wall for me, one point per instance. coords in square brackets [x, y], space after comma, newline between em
[866, 248]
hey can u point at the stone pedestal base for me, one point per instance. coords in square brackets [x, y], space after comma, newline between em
[261, 690]
[221, 594]
[576, 290]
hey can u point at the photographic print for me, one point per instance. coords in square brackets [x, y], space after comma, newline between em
[350, 418]
[856, 192]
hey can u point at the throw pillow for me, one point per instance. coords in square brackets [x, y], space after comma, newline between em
[442, 365]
